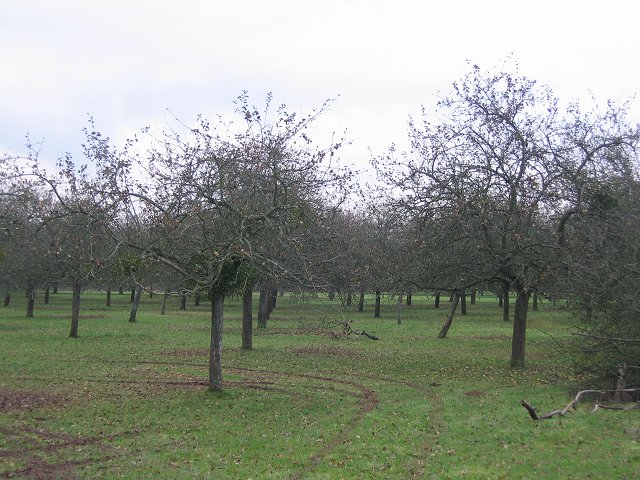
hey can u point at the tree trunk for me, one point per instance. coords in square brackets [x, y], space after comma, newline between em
[452, 310]
[7, 299]
[31, 300]
[409, 298]
[463, 303]
[376, 309]
[215, 348]
[500, 298]
[133, 295]
[437, 301]
[519, 329]
[136, 302]
[349, 300]
[505, 301]
[55, 289]
[108, 297]
[183, 301]
[473, 296]
[165, 296]
[196, 300]
[263, 307]
[46, 296]
[361, 301]
[272, 300]
[399, 309]
[120, 291]
[535, 301]
[247, 319]
[75, 309]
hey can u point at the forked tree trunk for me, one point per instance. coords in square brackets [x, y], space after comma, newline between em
[399, 309]
[519, 329]
[108, 297]
[7, 299]
[31, 300]
[46, 296]
[452, 310]
[136, 302]
[263, 307]
[75, 309]
[463, 303]
[247, 319]
[361, 301]
[437, 301]
[215, 348]
[505, 301]
[376, 308]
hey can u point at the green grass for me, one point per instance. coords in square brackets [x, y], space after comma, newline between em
[130, 400]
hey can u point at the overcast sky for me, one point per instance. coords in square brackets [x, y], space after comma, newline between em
[126, 62]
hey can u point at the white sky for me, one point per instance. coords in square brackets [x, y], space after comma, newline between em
[125, 62]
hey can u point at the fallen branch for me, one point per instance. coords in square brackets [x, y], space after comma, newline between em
[574, 403]
[532, 411]
[346, 330]
[597, 406]
[368, 335]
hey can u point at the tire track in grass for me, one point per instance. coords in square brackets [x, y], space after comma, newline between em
[366, 399]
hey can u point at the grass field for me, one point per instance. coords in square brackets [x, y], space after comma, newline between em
[130, 400]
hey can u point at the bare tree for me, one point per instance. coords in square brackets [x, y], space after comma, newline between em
[493, 183]
[223, 204]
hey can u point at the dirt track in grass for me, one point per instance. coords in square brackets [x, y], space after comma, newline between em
[39, 454]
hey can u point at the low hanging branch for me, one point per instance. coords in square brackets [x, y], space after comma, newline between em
[574, 403]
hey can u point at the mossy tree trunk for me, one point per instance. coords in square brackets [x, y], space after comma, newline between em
[31, 300]
[376, 308]
[136, 302]
[519, 329]
[452, 310]
[361, 301]
[75, 309]
[215, 347]
[247, 319]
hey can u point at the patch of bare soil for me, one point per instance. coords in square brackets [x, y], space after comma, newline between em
[82, 317]
[187, 352]
[474, 393]
[327, 350]
[39, 453]
[11, 400]
[490, 337]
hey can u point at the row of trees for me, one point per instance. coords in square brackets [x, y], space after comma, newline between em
[505, 189]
